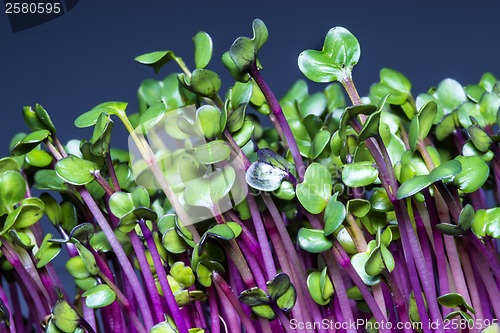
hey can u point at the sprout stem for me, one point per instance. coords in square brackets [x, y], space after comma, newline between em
[127, 268]
[223, 288]
[162, 277]
[280, 118]
[147, 276]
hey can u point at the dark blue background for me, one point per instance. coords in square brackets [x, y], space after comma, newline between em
[85, 57]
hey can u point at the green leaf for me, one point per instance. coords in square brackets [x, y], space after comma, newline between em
[265, 311]
[88, 258]
[38, 158]
[319, 143]
[466, 217]
[99, 296]
[52, 208]
[49, 180]
[286, 302]
[479, 138]
[449, 229]
[82, 232]
[375, 264]
[450, 94]
[30, 142]
[8, 163]
[278, 286]
[244, 134]
[205, 82]
[76, 267]
[316, 189]
[474, 173]
[232, 68]
[389, 261]
[379, 201]
[101, 135]
[359, 261]
[413, 133]
[12, 190]
[394, 84]
[359, 174]
[221, 231]
[446, 171]
[90, 118]
[182, 274]
[44, 117]
[254, 296]
[335, 214]
[173, 242]
[202, 49]
[37, 119]
[314, 286]
[358, 207]
[486, 222]
[244, 50]
[313, 241]
[205, 192]
[371, 127]
[167, 326]
[426, 117]
[75, 170]
[208, 119]
[65, 317]
[121, 203]
[30, 212]
[453, 300]
[156, 59]
[212, 152]
[335, 61]
[413, 186]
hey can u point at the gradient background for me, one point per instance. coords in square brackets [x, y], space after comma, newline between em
[85, 57]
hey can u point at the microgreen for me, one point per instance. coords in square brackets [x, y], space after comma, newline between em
[386, 209]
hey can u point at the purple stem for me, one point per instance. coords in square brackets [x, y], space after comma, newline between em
[424, 242]
[256, 217]
[301, 284]
[247, 236]
[411, 245]
[5, 301]
[34, 292]
[340, 290]
[486, 276]
[214, 311]
[280, 118]
[224, 289]
[444, 284]
[103, 182]
[147, 275]
[399, 301]
[16, 305]
[114, 314]
[286, 267]
[162, 277]
[345, 262]
[471, 283]
[127, 268]
[254, 267]
[89, 316]
[451, 250]
[483, 295]
[112, 173]
[262, 237]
